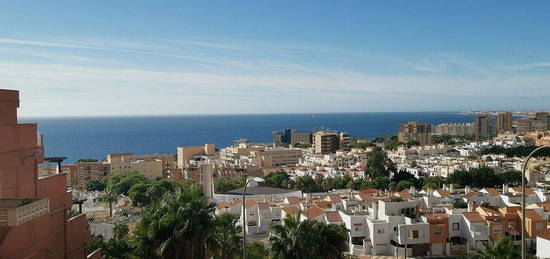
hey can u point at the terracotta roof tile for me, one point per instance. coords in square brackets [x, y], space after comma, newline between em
[222, 205]
[333, 216]
[365, 197]
[529, 191]
[473, 216]
[444, 193]
[470, 195]
[544, 234]
[293, 200]
[313, 212]
[290, 210]
[492, 191]
[532, 214]
[263, 206]
[250, 203]
[335, 198]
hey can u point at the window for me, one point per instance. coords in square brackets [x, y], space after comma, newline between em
[456, 226]
[413, 234]
[497, 229]
[394, 229]
[477, 228]
[437, 232]
[538, 226]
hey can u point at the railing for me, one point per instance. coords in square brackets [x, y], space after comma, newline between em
[14, 212]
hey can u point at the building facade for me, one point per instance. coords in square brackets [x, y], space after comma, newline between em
[504, 122]
[485, 126]
[34, 210]
[415, 131]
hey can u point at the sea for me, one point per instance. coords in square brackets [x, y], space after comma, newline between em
[95, 137]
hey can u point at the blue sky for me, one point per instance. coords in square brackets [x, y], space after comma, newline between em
[72, 58]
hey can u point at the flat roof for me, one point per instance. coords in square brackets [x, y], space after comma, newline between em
[258, 190]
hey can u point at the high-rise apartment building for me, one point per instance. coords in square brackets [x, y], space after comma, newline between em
[415, 131]
[541, 123]
[291, 137]
[454, 129]
[34, 221]
[485, 126]
[504, 122]
[328, 141]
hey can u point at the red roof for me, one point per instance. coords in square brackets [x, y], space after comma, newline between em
[335, 198]
[545, 234]
[333, 216]
[470, 195]
[365, 197]
[291, 210]
[293, 200]
[473, 216]
[444, 193]
[250, 203]
[313, 212]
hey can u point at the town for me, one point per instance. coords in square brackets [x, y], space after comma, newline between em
[430, 190]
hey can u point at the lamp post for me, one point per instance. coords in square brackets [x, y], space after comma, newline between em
[523, 199]
[249, 181]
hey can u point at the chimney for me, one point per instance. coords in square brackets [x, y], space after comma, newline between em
[451, 188]
[505, 189]
[466, 189]
[445, 187]
[412, 190]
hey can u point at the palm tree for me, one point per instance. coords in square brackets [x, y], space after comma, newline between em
[225, 242]
[504, 248]
[178, 227]
[109, 197]
[120, 230]
[307, 239]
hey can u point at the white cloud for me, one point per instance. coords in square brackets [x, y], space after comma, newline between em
[248, 77]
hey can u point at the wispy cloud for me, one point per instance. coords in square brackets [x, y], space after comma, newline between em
[528, 66]
[198, 75]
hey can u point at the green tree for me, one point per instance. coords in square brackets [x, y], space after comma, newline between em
[412, 143]
[433, 182]
[504, 248]
[109, 197]
[380, 183]
[225, 184]
[280, 179]
[120, 230]
[306, 184]
[512, 178]
[225, 240]
[404, 184]
[120, 183]
[307, 239]
[139, 194]
[95, 185]
[178, 227]
[112, 249]
[460, 204]
[378, 164]
[257, 250]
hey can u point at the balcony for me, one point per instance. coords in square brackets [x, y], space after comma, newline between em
[14, 212]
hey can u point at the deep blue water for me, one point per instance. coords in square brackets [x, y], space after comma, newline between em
[95, 137]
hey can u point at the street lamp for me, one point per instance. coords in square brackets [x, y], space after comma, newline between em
[250, 182]
[523, 199]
